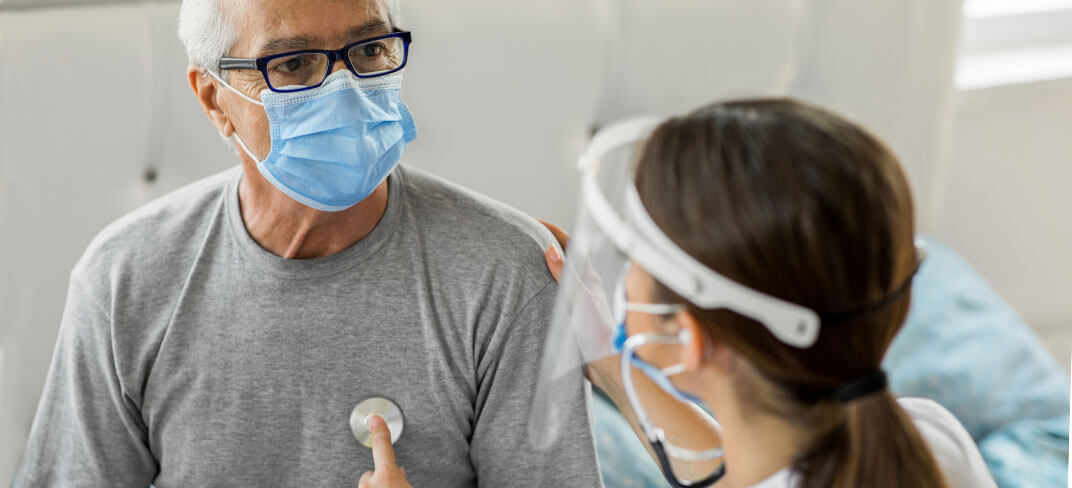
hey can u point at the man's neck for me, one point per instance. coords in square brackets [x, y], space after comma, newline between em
[292, 230]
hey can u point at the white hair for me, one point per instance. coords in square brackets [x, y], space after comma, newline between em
[394, 11]
[208, 36]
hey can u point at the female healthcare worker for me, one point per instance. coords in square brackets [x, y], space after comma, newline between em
[755, 257]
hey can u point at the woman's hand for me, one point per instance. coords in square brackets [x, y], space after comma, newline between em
[603, 372]
[387, 474]
[553, 257]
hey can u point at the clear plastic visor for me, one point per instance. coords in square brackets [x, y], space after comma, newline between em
[591, 304]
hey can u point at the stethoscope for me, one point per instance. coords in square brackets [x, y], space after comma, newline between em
[375, 406]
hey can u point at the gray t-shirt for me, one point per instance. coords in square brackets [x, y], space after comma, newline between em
[190, 356]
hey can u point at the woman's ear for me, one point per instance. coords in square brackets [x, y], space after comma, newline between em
[694, 351]
[702, 351]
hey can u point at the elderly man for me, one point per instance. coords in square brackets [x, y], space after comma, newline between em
[222, 335]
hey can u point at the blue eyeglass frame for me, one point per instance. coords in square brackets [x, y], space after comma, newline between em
[261, 63]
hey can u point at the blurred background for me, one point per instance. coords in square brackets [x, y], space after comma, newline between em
[96, 119]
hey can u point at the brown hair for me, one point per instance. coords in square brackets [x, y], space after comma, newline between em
[798, 203]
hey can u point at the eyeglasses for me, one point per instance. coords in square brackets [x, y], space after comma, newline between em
[304, 70]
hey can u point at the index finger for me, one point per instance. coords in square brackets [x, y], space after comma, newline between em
[383, 453]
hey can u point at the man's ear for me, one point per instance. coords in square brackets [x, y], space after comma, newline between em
[206, 89]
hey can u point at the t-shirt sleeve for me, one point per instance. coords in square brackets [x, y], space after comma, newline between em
[952, 446]
[88, 431]
[500, 449]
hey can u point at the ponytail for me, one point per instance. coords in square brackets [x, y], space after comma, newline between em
[877, 445]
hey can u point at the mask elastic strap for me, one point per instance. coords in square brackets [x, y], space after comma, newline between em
[675, 369]
[243, 95]
[244, 148]
[656, 437]
[228, 85]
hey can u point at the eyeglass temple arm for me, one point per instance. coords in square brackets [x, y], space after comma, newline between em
[237, 63]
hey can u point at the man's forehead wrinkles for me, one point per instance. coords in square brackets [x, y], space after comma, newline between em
[284, 44]
[289, 44]
[275, 26]
[373, 28]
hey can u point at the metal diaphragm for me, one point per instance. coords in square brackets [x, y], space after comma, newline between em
[382, 407]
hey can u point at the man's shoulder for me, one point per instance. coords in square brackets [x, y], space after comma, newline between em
[484, 225]
[160, 226]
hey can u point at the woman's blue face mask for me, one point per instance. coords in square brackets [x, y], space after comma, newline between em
[621, 306]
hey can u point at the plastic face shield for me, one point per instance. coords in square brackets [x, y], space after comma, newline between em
[612, 231]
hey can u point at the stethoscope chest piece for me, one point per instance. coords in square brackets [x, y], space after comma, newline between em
[384, 408]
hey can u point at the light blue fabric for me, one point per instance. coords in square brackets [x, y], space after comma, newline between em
[1029, 453]
[963, 347]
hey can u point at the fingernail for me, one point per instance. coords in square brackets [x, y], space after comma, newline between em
[374, 421]
[555, 256]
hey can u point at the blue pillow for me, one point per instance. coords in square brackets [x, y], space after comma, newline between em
[965, 348]
[961, 346]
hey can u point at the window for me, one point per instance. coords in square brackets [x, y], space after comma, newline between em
[974, 9]
[1014, 41]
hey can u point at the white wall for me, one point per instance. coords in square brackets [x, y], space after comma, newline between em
[1007, 202]
[510, 122]
[1003, 197]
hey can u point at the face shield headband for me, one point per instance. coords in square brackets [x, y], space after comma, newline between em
[633, 233]
[612, 231]
[645, 243]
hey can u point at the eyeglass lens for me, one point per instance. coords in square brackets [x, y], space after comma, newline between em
[309, 69]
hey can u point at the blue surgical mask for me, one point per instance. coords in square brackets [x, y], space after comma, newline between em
[334, 144]
[620, 306]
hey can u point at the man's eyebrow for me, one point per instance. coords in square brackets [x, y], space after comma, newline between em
[282, 45]
[285, 44]
[371, 29]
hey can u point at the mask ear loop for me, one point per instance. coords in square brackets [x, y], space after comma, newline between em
[684, 337]
[244, 148]
[228, 85]
[655, 435]
[243, 95]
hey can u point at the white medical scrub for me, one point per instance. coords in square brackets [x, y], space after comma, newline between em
[953, 448]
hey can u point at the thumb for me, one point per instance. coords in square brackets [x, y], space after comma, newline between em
[383, 453]
[554, 261]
